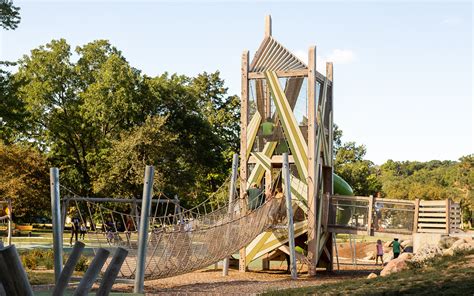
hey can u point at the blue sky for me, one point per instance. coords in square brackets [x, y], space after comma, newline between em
[402, 71]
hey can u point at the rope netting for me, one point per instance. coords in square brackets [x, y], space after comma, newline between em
[179, 240]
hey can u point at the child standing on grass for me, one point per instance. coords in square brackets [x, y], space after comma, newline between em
[379, 252]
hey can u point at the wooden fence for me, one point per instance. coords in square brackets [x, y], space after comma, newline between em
[426, 216]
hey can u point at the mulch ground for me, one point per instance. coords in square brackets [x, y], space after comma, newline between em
[211, 282]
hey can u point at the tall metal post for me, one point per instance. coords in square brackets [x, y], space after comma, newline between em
[235, 164]
[10, 222]
[57, 224]
[143, 229]
[289, 212]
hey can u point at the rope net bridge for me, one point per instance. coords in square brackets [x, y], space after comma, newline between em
[179, 240]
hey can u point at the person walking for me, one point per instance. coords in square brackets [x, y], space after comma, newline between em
[396, 248]
[379, 252]
[74, 229]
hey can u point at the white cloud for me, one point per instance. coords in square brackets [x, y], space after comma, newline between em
[451, 21]
[337, 56]
[341, 56]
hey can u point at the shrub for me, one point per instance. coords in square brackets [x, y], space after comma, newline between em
[29, 261]
[82, 264]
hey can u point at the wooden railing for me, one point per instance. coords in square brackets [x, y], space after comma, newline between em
[370, 215]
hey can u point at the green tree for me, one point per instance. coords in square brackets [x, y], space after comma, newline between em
[12, 110]
[80, 111]
[23, 179]
[148, 144]
[360, 173]
[9, 15]
[76, 108]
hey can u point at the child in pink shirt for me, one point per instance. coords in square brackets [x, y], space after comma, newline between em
[379, 252]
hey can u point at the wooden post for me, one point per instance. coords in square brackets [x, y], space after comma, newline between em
[289, 213]
[56, 222]
[143, 229]
[448, 215]
[112, 271]
[92, 272]
[312, 161]
[235, 164]
[68, 269]
[329, 170]
[243, 145]
[415, 215]
[370, 214]
[268, 26]
[12, 274]
[10, 222]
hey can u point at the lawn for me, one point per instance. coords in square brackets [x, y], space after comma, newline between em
[443, 276]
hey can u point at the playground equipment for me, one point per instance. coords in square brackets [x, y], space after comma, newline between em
[291, 150]
[14, 280]
[6, 219]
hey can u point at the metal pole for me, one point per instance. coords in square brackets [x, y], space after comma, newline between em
[92, 272]
[68, 269]
[289, 212]
[143, 230]
[13, 275]
[235, 164]
[57, 223]
[10, 222]
[112, 271]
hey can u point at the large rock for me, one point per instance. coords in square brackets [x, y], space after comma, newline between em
[464, 247]
[446, 242]
[427, 252]
[406, 256]
[387, 256]
[448, 252]
[370, 255]
[396, 265]
[372, 276]
[457, 243]
[407, 243]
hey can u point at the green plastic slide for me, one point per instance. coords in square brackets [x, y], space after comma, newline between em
[341, 187]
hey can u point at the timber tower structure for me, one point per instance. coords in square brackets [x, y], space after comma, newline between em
[287, 107]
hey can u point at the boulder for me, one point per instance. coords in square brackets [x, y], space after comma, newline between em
[448, 252]
[427, 252]
[387, 244]
[406, 256]
[372, 276]
[446, 242]
[457, 243]
[370, 255]
[387, 256]
[464, 247]
[407, 243]
[396, 265]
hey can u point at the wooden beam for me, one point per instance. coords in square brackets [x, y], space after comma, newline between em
[312, 161]
[371, 213]
[290, 73]
[260, 98]
[243, 142]
[416, 215]
[448, 212]
[268, 26]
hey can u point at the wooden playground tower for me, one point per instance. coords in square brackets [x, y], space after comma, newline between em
[273, 85]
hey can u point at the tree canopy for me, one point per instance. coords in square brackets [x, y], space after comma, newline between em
[101, 121]
[9, 15]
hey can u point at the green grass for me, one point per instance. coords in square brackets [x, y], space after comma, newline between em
[443, 276]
